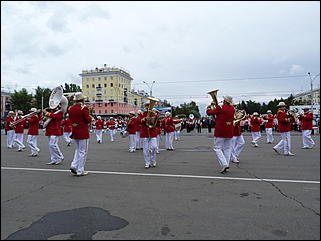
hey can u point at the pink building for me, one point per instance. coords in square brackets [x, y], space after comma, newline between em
[112, 108]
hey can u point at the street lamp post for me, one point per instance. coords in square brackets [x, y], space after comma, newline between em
[150, 87]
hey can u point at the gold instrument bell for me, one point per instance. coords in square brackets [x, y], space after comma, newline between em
[213, 94]
[238, 116]
[152, 118]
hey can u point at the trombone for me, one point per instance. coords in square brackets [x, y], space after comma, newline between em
[14, 123]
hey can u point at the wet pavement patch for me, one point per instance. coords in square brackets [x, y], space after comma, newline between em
[81, 223]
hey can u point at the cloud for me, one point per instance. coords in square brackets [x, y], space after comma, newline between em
[296, 69]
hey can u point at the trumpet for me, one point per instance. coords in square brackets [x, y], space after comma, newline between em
[13, 124]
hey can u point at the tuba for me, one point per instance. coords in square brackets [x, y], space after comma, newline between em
[213, 94]
[238, 116]
[153, 119]
[57, 98]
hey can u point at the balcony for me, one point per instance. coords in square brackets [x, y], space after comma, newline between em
[98, 94]
[99, 89]
[99, 100]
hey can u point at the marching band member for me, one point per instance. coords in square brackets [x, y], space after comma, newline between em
[131, 128]
[306, 127]
[238, 142]
[255, 128]
[223, 131]
[19, 131]
[168, 125]
[66, 123]
[80, 119]
[178, 127]
[53, 131]
[10, 130]
[269, 124]
[139, 141]
[33, 133]
[190, 124]
[159, 135]
[148, 135]
[284, 127]
[99, 129]
[111, 125]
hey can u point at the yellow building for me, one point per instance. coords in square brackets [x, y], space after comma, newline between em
[109, 91]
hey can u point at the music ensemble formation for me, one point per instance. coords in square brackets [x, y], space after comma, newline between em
[144, 128]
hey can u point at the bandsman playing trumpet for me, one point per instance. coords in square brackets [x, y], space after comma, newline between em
[256, 122]
[269, 125]
[66, 123]
[10, 129]
[33, 132]
[223, 132]
[99, 125]
[168, 124]
[306, 126]
[238, 139]
[131, 129]
[112, 127]
[284, 127]
[19, 131]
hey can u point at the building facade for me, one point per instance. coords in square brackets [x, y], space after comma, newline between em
[109, 91]
[304, 98]
[5, 104]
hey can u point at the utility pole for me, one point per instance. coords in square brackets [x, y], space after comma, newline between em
[311, 83]
[150, 87]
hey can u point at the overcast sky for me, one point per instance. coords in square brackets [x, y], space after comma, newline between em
[200, 46]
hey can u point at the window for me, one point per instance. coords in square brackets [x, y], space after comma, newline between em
[105, 85]
[112, 111]
[105, 78]
[98, 78]
[111, 104]
[93, 79]
[111, 85]
[87, 79]
[99, 85]
[105, 111]
[111, 77]
[93, 98]
[93, 85]
[87, 86]
[99, 111]
[93, 105]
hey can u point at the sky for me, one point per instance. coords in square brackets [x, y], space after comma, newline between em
[249, 50]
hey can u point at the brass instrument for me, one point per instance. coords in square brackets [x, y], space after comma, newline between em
[213, 94]
[238, 116]
[13, 124]
[152, 118]
[292, 115]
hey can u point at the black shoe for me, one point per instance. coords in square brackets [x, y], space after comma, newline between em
[73, 170]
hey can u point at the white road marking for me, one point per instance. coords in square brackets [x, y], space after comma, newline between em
[167, 175]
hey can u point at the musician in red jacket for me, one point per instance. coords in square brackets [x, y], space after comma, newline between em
[10, 129]
[139, 141]
[306, 126]
[112, 127]
[148, 134]
[237, 142]
[269, 125]
[168, 125]
[80, 119]
[99, 124]
[33, 133]
[223, 133]
[131, 128]
[256, 128]
[284, 127]
[53, 131]
[66, 123]
[19, 131]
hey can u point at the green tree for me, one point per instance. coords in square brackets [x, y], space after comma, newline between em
[22, 100]
[45, 92]
[187, 109]
[71, 88]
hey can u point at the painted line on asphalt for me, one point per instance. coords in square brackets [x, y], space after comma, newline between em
[167, 175]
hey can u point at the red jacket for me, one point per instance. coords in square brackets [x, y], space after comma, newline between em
[111, 125]
[237, 130]
[33, 125]
[20, 126]
[283, 124]
[54, 127]
[99, 125]
[306, 121]
[138, 123]
[255, 124]
[223, 121]
[147, 132]
[66, 123]
[270, 121]
[131, 126]
[80, 119]
[9, 119]
[168, 124]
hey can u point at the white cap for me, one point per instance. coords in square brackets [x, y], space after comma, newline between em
[269, 111]
[33, 109]
[167, 113]
[255, 113]
[99, 117]
[132, 112]
[281, 104]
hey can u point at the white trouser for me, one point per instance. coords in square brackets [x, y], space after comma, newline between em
[149, 149]
[99, 135]
[67, 137]
[237, 146]
[10, 138]
[80, 155]
[269, 135]
[177, 135]
[169, 140]
[132, 142]
[55, 153]
[19, 141]
[32, 143]
[255, 136]
[307, 139]
[222, 148]
[112, 134]
[284, 143]
[159, 139]
[139, 141]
